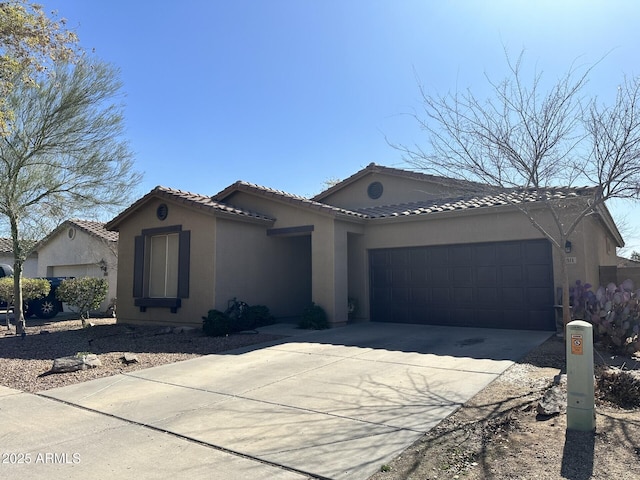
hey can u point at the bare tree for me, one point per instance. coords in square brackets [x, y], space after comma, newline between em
[64, 156]
[527, 141]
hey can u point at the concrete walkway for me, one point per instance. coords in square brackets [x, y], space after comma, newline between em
[332, 404]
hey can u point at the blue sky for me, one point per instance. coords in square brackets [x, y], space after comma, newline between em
[290, 93]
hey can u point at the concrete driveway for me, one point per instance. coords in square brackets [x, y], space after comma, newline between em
[332, 404]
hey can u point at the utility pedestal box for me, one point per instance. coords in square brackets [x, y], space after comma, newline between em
[581, 413]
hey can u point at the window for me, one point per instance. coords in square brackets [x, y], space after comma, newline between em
[161, 267]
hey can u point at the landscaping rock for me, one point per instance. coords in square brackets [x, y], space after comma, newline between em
[73, 364]
[130, 358]
[184, 329]
[552, 403]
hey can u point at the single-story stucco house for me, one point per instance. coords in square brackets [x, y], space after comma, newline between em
[408, 247]
[81, 248]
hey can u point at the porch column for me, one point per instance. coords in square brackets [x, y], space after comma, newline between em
[329, 267]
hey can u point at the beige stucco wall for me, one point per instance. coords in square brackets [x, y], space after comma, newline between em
[262, 270]
[329, 253]
[395, 190]
[79, 257]
[29, 268]
[202, 263]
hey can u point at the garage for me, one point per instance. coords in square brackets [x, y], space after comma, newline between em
[494, 285]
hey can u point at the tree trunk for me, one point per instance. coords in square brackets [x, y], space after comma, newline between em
[18, 261]
[564, 273]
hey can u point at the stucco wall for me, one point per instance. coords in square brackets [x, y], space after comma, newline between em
[79, 257]
[262, 270]
[29, 268]
[395, 190]
[201, 292]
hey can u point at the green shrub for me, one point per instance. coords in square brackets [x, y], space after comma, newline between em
[85, 294]
[32, 288]
[236, 318]
[216, 324]
[314, 318]
[259, 316]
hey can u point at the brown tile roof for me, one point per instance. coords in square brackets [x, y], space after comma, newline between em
[194, 200]
[6, 245]
[93, 228]
[284, 197]
[222, 203]
[397, 172]
[470, 202]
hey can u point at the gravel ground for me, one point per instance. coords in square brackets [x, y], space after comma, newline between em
[496, 435]
[23, 361]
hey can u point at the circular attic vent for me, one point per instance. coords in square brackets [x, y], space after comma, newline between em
[71, 233]
[374, 190]
[162, 211]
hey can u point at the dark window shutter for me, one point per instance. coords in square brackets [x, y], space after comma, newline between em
[184, 255]
[138, 267]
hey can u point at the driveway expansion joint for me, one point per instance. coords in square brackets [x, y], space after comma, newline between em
[213, 446]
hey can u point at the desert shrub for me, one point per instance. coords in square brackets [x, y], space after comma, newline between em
[216, 324]
[314, 317]
[259, 316]
[614, 312]
[32, 288]
[621, 387]
[238, 317]
[85, 294]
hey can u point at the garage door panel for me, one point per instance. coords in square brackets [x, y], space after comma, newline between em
[509, 253]
[400, 276]
[463, 295]
[538, 275]
[539, 296]
[438, 256]
[501, 284]
[462, 276]
[440, 295]
[460, 255]
[438, 275]
[537, 252]
[420, 296]
[487, 275]
[488, 295]
[512, 275]
[513, 296]
[485, 254]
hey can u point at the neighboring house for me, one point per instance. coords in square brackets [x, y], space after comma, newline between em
[81, 248]
[408, 247]
[30, 266]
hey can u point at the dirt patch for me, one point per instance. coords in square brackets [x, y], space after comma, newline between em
[499, 435]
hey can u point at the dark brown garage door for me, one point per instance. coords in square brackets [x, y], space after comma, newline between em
[497, 285]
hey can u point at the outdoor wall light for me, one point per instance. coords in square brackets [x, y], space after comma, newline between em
[567, 247]
[103, 266]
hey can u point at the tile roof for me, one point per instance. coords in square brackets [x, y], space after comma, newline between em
[6, 245]
[208, 203]
[284, 197]
[469, 202]
[194, 200]
[93, 228]
[397, 172]
[480, 198]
